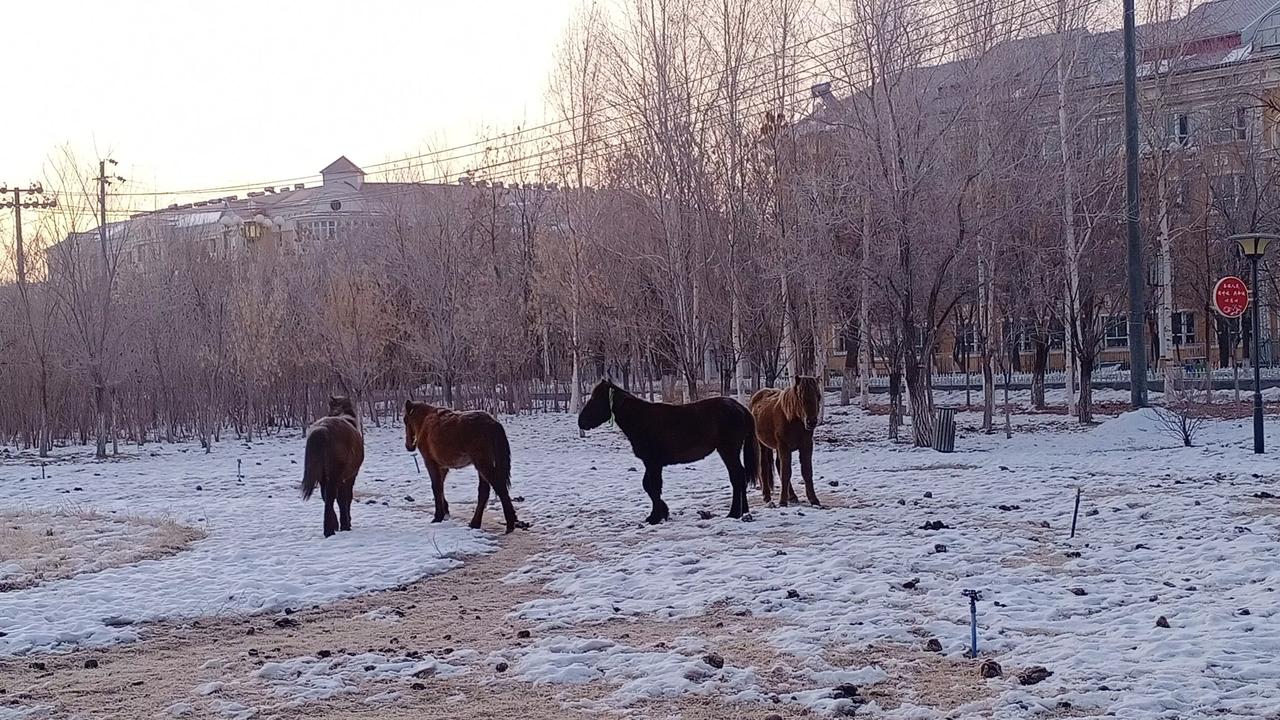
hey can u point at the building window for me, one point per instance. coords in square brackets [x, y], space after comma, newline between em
[1116, 331]
[1184, 328]
[1268, 33]
[1226, 190]
[324, 229]
[1230, 125]
[1180, 128]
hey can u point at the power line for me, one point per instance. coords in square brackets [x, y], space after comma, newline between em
[437, 156]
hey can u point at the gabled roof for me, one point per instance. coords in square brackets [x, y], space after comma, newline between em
[341, 166]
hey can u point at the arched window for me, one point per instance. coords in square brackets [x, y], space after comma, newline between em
[1268, 33]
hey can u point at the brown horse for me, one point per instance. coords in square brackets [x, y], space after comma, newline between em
[335, 451]
[663, 434]
[447, 440]
[785, 420]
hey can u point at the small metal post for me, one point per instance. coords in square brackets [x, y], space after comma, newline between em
[416, 467]
[42, 477]
[974, 596]
[1075, 514]
[239, 474]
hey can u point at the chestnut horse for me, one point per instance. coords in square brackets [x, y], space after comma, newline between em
[335, 451]
[448, 440]
[663, 434]
[785, 420]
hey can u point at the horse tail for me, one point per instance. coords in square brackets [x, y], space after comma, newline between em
[313, 473]
[751, 451]
[502, 456]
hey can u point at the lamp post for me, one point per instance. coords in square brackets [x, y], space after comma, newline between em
[1253, 246]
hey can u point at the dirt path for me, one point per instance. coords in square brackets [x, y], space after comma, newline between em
[166, 673]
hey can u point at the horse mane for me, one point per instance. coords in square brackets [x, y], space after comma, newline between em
[791, 404]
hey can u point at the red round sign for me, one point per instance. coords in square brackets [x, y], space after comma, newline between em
[1230, 297]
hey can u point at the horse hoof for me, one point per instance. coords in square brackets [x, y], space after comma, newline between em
[475, 525]
[652, 520]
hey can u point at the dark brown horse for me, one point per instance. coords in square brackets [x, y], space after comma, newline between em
[663, 434]
[447, 440]
[335, 451]
[785, 420]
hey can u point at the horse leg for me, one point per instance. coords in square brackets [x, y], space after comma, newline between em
[653, 486]
[482, 499]
[437, 474]
[738, 481]
[330, 517]
[345, 493]
[766, 472]
[785, 490]
[508, 509]
[806, 470]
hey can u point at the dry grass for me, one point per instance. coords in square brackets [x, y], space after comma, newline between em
[39, 547]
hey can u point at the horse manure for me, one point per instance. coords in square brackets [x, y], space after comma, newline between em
[1079, 591]
[417, 686]
[713, 660]
[935, 525]
[748, 517]
[324, 653]
[939, 548]
[1162, 622]
[408, 498]
[289, 611]
[518, 498]
[911, 584]
[928, 494]
[1243, 611]
[501, 667]
[631, 469]
[250, 631]
[370, 668]
[834, 483]
[934, 645]
[1033, 675]
[1007, 508]
[901, 501]
[36, 666]
[286, 622]
[990, 669]
[773, 716]
[199, 487]
[793, 594]
[448, 637]
[90, 664]
[705, 514]
[522, 634]
[845, 691]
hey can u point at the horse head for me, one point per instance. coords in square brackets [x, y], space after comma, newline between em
[808, 404]
[341, 405]
[412, 416]
[598, 408]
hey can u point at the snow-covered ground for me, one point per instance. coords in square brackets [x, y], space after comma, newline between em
[264, 548]
[1191, 535]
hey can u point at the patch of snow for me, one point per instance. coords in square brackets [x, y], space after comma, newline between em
[310, 679]
[264, 551]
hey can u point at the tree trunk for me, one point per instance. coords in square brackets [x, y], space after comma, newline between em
[1040, 364]
[100, 414]
[921, 399]
[1084, 408]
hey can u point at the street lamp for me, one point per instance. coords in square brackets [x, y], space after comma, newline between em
[1253, 246]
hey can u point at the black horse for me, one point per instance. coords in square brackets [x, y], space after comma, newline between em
[663, 434]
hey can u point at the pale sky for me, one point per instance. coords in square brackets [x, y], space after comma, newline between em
[201, 94]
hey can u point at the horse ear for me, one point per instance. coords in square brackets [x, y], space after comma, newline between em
[408, 405]
[795, 379]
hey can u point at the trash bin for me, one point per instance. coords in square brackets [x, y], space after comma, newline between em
[944, 431]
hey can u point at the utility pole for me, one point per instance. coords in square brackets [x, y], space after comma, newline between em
[32, 197]
[1137, 274]
[35, 199]
[108, 282]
